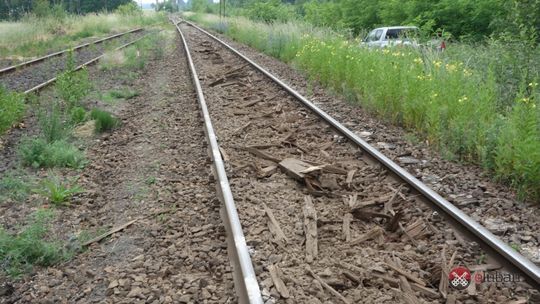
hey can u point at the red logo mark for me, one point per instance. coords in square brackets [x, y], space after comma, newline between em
[459, 277]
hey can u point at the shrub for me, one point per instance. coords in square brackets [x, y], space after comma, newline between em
[37, 152]
[12, 108]
[73, 85]
[104, 120]
[129, 9]
[58, 191]
[32, 246]
[270, 10]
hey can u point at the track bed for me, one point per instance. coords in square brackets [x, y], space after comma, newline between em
[392, 231]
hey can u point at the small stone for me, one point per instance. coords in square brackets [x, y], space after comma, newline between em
[185, 298]
[113, 284]
[135, 293]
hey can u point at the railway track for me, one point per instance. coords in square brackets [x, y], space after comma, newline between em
[44, 69]
[327, 217]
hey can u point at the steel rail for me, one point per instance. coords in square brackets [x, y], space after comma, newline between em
[48, 82]
[33, 61]
[529, 270]
[245, 281]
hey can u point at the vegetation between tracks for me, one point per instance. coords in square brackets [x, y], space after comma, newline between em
[11, 108]
[63, 123]
[471, 108]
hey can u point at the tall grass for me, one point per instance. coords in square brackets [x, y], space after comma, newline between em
[462, 107]
[12, 108]
[37, 36]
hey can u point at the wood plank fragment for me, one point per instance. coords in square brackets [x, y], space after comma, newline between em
[262, 154]
[268, 171]
[224, 155]
[242, 128]
[350, 176]
[351, 267]
[425, 290]
[391, 281]
[273, 225]
[276, 274]
[110, 232]
[294, 167]
[404, 273]
[375, 201]
[310, 229]
[407, 292]
[376, 233]
[347, 219]
[443, 283]
[328, 287]
[351, 276]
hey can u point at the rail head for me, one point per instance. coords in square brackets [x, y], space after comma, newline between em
[529, 270]
[245, 280]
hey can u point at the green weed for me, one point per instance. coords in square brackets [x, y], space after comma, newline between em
[14, 186]
[73, 85]
[52, 124]
[58, 191]
[77, 115]
[113, 96]
[150, 180]
[12, 108]
[37, 152]
[104, 120]
[19, 252]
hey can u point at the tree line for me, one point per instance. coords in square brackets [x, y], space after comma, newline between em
[463, 19]
[14, 9]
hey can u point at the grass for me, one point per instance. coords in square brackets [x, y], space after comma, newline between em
[462, 106]
[104, 120]
[19, 252]
[77, 115]
[57, 191]
[52, 124]
[38, 36]
[12, 109]
[113, 96]
[15, 186]
[38, 153]
[134, 57]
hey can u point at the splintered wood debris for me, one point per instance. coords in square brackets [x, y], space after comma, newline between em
[273, 225]
[310, 229]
